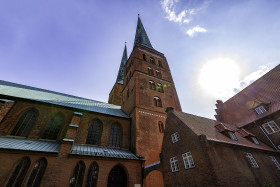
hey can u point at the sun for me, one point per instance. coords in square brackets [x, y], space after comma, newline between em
[218, 77]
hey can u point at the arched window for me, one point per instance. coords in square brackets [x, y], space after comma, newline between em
[158, 73]
[25, 123]
[53, 127]
[160, 127]
[117, 177]
[19, 173]
[115, 135]
[160, 87]
[78, 175]
[94, 132]
[152, 85]
[157, 102]
[37, 173]
[92, 175]
[150, 71]
[144, 57]
[159, 64]
[152, 60]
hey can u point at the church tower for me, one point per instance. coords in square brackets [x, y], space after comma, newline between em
[147, 90]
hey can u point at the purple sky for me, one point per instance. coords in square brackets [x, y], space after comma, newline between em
[75, 47]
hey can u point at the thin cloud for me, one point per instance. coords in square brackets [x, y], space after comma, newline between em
[184, 16]
[249, 79]
[191, 32]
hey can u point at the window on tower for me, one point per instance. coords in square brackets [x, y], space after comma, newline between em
[152, 60]
[160, 64]
[158, 73]
[157, 102]
[144, 57]
[152, 85]
[160, 127]
[150, 71]
[159, 87]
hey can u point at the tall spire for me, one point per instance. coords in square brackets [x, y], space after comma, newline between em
[121, 70]
[141, 36]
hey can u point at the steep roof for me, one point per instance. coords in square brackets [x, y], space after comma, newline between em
[51, 97]
[239, 109]
[121, 69]
[205, 126]
[141, 36]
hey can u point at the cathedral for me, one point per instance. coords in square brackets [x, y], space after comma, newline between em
[140, 137]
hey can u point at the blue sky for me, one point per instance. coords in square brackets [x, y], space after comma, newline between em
[75, 47]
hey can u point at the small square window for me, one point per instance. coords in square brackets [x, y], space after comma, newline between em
[175, 137]
[174, 164]
[260, 110]
[188, 160]
[232, 136]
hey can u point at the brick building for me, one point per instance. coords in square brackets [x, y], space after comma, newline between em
[197, 151]
[54, 139]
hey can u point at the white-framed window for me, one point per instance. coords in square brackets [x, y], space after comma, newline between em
[232, 136]
[251, 160]
[255, 140]
[175, 137]
[188, 160]
[273, 159]
[174, 164]
[271, 127]
[260, 110]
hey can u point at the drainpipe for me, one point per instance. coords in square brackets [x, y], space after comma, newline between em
[269, 139]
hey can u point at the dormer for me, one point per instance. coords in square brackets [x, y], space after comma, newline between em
[226, 131]
[249, 136]
[262, 108]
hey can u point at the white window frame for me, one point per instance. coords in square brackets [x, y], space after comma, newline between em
[175, 137]
[252, 160]
[174, 164]
[260, 110]
[255, 140]
[271, 127]
[276, 163]
[232, 136]
[188, 160]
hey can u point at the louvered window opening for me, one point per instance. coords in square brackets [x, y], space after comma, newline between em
[92, 175]
[53, 127]
[78, 175]
[25, 123]
[115, 136]
[152, 85]
[94, 132]
[19, 173]
[160, 87]
[37, 173]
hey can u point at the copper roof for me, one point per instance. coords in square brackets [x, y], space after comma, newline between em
[205, 126]
[239, 109]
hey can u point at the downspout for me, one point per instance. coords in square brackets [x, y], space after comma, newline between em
[269, 139]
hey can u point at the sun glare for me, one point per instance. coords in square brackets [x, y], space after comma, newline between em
[218, 77]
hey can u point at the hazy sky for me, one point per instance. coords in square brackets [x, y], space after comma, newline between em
[214, 48]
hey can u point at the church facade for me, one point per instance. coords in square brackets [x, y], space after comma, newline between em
[54, 139]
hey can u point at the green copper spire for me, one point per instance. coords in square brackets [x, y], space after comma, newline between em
[121, 70]
[141, 36]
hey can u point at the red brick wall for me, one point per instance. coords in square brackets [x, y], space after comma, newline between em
[115, 96]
